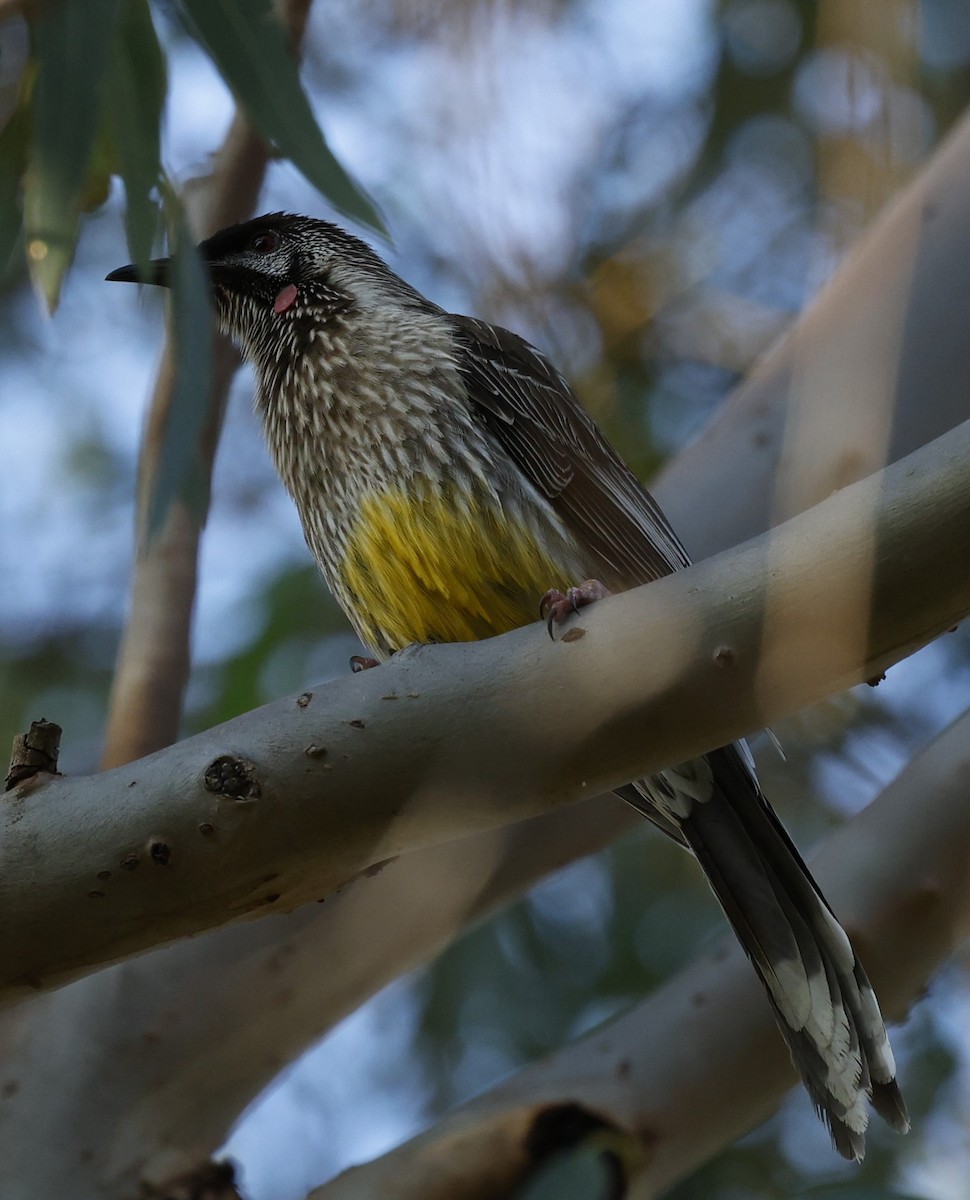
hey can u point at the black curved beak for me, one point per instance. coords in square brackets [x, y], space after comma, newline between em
[156, 272]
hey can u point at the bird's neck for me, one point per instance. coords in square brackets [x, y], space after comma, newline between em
[360, 407]
[357, 402]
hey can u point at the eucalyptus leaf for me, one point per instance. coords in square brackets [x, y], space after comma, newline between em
[179, 473]
[136, 87]
[70, 42]
[13, 160]
[247, 43]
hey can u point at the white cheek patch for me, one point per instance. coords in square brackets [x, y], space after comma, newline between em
[285, 299]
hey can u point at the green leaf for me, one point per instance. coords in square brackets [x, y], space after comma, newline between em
[247, 44]
[180, 473]
[102, 165]
[70, 45]
[136, 88]
[13, 162]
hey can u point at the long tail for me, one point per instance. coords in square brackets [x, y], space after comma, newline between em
[822, 1000]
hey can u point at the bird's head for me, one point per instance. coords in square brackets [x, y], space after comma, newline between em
[277, 269]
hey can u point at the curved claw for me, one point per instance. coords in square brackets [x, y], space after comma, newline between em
[555, 606]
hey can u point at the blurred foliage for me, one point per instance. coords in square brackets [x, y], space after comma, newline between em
[136, 85]
[91, 104]
[67, 162]
[247, 44]
[678, 198]
[67, 673]
[595, 937]
[293, 646]
[181, 468]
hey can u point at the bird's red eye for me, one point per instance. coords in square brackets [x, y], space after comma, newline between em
[264, 243]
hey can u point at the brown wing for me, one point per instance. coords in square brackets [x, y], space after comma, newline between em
[528, 407]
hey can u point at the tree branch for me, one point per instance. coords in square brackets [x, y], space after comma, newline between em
[190, 1033]
[882, 333]
[700, 1062]
[286, 804]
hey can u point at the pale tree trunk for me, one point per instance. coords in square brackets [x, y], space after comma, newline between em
[700, 1062]
[289, 803]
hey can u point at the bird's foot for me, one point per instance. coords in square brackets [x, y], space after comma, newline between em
[362, 662]
[555, 606]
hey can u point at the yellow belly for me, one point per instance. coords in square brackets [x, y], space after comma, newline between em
[439, 568]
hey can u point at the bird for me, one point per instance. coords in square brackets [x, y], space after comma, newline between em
[447, 478]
